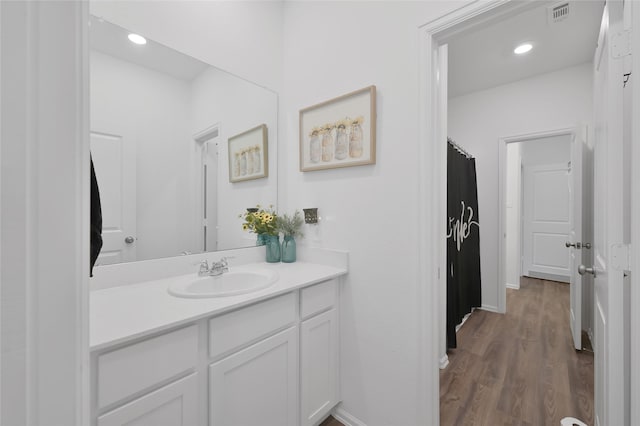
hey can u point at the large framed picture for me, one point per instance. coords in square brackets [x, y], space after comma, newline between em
[340, 132]
[248, 155]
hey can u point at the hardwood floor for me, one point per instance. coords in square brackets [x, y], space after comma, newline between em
[519, 368]
[330, 421]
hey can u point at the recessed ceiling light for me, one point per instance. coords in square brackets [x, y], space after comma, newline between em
[137, 39]
[523, 48]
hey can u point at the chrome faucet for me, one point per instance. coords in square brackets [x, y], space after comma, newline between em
[216, 268]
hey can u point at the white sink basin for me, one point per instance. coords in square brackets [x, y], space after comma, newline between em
[230, 283]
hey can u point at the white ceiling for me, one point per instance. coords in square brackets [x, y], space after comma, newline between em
[484, 58]
[112, 40]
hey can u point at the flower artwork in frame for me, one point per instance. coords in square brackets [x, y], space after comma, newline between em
[340, 132]
[248, 155]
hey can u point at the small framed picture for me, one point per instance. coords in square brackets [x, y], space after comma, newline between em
[340, 132]
[248, 155]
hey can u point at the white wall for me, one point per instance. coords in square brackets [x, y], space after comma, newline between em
[236, 105]
[332, 48]
[242, 37]
[550, 101]
[135, 102]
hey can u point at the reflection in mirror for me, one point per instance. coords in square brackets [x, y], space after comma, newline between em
[160, 124]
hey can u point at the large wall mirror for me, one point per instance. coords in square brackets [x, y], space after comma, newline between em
[160, 128]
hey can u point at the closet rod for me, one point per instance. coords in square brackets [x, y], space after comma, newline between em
[459, 148]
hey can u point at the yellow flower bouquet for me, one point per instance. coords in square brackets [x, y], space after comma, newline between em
[260, 221]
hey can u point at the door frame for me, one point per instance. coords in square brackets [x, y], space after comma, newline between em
[46, 270]
[200, 139]
[635, 224]
[502, 198]
[432, 182]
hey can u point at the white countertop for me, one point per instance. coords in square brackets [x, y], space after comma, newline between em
[126, 312]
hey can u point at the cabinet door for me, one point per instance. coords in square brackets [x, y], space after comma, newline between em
[319, 366]
[257, 385]
[173, 405]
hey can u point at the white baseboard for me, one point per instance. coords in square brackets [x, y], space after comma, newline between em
[490, 308]
[444, 362]
[514, 286]
[346, 419]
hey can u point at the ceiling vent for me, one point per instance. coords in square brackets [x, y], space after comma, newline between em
[558, 13]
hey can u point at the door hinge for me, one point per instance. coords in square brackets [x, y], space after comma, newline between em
[621, 257]
[621, 44]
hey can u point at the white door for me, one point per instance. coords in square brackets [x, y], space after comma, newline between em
[257, 385]
[608, 251]
[547, 221]
[577, 247]
[114, 160]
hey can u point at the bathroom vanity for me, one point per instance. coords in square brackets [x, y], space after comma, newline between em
[269, 357]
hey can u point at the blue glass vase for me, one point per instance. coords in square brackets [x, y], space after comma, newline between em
[261, 239]
[273, 248]
[288, 249]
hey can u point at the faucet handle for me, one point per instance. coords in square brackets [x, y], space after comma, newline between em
[224, 263]
[204, 267]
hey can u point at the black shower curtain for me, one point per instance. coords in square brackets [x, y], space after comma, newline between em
[463, 241]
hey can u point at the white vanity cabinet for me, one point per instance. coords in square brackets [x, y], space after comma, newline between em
[318, 352]
[272, 363]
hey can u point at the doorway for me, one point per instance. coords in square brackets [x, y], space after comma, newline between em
[207, 142]
[546, 217]
[535, 207]
[440, 37]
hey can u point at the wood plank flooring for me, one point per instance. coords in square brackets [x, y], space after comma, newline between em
[519, 368]
[330, 421]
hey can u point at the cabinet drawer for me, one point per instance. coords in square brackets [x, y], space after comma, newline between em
[175, 404]
[243, 326]
[131, 369]
[317, 298]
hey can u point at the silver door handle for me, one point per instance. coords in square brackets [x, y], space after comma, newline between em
[129, 239]
[576, 245]
[584, 270]
[586, 245]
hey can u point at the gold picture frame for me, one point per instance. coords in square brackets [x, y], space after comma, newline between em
[248, 155]
[340, 132]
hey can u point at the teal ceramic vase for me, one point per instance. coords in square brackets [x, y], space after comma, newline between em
[288, 249]
[261, 239]
[273, 248]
